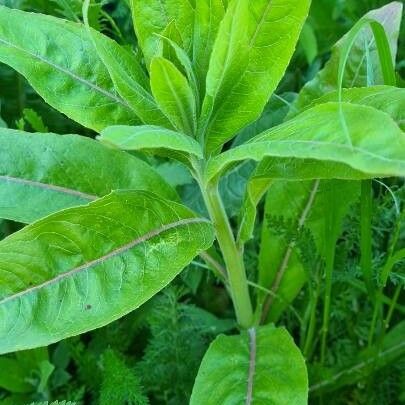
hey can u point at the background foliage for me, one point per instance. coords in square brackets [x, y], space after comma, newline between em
[152, 355]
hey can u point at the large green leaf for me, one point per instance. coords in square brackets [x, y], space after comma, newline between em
[332, 140]
[151, 17]
[261, 366]
[82, 268]
[254, 45]
[388, 99]
[44, 173]
[363, 60]
[151, 138]
[59, 60]
[173, 95]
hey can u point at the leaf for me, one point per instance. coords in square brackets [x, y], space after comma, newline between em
[128, 76]
[361, 56]
[260, 366]
[173, 95]
[151, 17]
[82, 268]
[326, 141]
[152, 138]
[43, 173]
[62, 61]
[208, 15]
[253, 48]
[388, 99]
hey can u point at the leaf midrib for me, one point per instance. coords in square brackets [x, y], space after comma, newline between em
[48, 186]
[115, 252]
[69, 73]
[220, 163]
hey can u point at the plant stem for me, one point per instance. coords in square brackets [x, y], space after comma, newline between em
[365, 236]
[233, 257]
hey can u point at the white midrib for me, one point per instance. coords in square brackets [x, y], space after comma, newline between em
[69, 73]
[102, 259]
[252, 365]
[47, 186]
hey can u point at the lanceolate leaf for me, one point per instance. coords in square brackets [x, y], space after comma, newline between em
[63, 67]
[152, 138]
[151, 17]
[363, 55]
[332, 140]
[253, 48]
[208, 15]
[261, 366]
[44, 173]
[128, 76]
[173, 95]
[84, 267]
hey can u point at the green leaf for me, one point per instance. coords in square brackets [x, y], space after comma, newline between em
[151, 17]
[44, 173]
[254, 45]
[151, 138]
[173, 95]
[62, 61]
[388, 99]
[208, 16]
[82, 268]
[327, 141]
[363, 54]
[260, 366]
[128, 76]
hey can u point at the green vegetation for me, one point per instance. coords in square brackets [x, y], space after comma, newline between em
[227, 223]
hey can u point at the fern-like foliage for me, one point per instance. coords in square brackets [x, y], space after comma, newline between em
[121, 384]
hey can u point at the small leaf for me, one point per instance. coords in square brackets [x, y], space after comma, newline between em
[128, 76]
[173, 95]
[151, 138]
[62, 60]
[151, 17]
[44, 173]
[208, 15]
[258, 367]
[84, 267]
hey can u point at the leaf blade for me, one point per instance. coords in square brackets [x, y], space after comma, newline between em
[44, 173]
[87, 266]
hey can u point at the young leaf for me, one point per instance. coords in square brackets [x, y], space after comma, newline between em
[44, 173]
[62, 65]
[151, 17]
[327, 141]
[259, 366]
[151, 138]
[173, 95]
[363, 53]
[81, 268]
[253, 48]
[208, 15]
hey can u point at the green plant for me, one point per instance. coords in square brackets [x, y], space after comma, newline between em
[106, 232]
